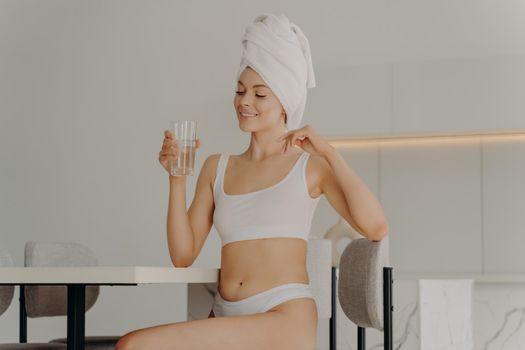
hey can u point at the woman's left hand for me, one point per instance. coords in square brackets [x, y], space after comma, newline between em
[308, 139]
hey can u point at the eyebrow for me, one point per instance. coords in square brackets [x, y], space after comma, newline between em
[240, 82]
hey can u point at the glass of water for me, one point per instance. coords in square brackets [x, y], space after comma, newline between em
[185, 134]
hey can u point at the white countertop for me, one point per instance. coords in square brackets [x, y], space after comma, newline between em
[107, 275]
[160, 274]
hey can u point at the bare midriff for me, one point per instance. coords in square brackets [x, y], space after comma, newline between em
[252, 266]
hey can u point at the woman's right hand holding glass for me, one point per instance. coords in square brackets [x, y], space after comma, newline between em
[169, 150]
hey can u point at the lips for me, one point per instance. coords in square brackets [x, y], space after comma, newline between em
[247, 114]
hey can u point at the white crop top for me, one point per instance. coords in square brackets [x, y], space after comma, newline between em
[281, 210]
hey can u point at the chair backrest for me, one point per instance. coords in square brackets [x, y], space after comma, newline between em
[43, 300]
[360, 283]
[6, 292]
[319, 267]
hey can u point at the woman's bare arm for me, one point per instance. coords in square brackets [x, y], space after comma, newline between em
[203, 205]
[351, 198]
[187, 229]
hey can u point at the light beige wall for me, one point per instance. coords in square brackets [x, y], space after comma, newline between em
[87, 88]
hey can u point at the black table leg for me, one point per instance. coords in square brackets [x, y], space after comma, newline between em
[23, 315]
[76, 308]
[388, 308]
[333, 338]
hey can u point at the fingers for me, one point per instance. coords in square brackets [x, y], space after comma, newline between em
[283, 136]
[302, 130]
[292, 139]
[296, 137]
[169, 146]
[168, 151]
[168, 138]
[287, 145]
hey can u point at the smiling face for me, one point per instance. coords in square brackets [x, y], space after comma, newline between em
[253, 96]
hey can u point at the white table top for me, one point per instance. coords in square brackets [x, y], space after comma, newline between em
[107, 275]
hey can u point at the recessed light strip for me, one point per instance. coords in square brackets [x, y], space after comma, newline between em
[511, 135]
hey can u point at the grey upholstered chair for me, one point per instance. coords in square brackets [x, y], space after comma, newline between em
[6, 292]
[42, 301]
[365, 288]
[6, 297]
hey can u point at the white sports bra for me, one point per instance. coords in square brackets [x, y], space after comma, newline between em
[281, 210]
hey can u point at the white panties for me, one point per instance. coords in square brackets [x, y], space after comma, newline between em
[260, 302]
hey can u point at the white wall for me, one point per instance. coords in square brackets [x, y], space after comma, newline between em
[87, 88]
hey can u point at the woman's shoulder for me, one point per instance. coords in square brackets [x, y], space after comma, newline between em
[209, 167]
[211, 161]
[317, 168]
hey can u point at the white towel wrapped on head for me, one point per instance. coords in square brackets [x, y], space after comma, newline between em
[279, 52]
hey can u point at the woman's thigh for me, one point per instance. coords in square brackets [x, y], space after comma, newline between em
[289, 326]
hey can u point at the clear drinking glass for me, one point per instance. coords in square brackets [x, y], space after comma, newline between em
[185, 133]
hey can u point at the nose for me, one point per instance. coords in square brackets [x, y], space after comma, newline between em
[245, 100]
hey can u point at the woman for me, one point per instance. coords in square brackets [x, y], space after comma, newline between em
[261, 203]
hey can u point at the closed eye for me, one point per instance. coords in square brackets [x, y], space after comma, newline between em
[242, 92]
